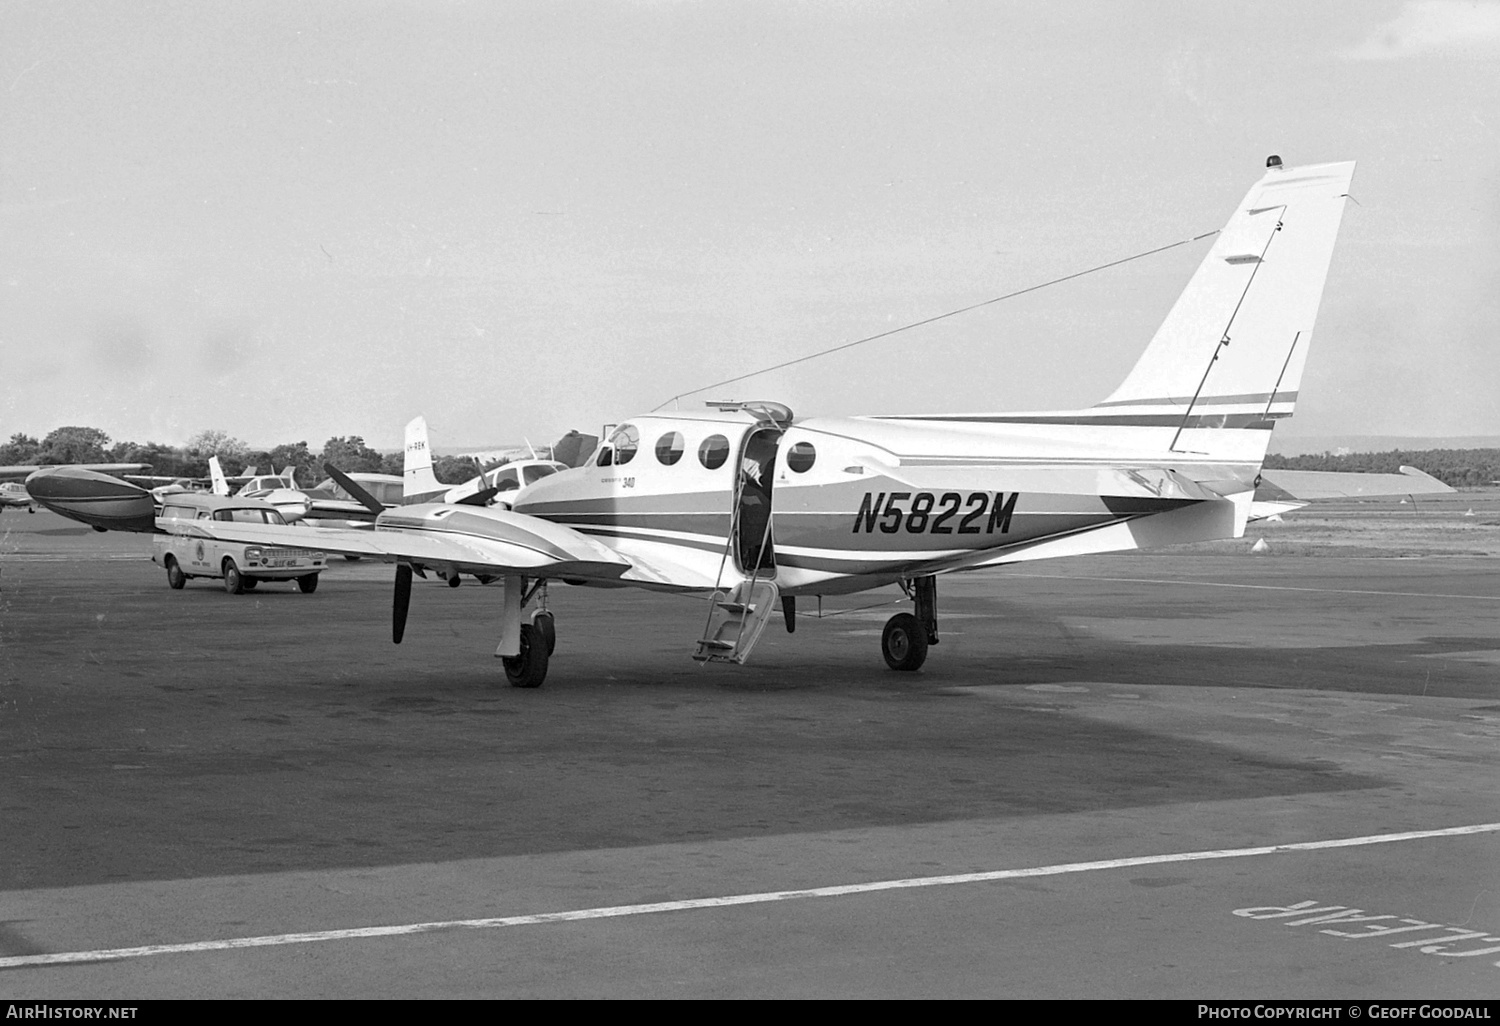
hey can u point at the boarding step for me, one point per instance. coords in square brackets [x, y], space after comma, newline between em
[736, 622]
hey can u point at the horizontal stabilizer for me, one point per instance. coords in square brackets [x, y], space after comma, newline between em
[1329, 484]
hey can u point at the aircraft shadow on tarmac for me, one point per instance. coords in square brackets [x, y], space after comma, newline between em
[158, 734]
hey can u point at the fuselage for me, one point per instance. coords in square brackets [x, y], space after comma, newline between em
[843, 504]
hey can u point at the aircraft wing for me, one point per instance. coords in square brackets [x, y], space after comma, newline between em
[21, 472]
[1329, 484]
[468, 540]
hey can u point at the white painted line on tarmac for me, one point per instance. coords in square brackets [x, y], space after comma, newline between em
[689, 904]
[1261, 587]
[30, 557]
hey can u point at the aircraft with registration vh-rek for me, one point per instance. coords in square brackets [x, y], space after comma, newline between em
[756, 508]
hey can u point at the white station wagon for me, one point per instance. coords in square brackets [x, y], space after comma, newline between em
[241, 566]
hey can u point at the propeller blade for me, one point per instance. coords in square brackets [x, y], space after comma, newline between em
[402, 602]
[349, 485]
[479, 498]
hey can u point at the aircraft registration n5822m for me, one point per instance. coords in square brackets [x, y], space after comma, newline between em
[755, 507]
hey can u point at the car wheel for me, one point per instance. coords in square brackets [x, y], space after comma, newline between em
[308, 584]
[175, 577]
[234, 581]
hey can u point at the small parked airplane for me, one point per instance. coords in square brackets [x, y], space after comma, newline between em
[280, 490]
[755, 507]
[14, 494]
[499, 485]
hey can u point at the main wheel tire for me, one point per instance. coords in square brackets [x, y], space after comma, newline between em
[528, 669]
[175, 577]
[234, 581]
[307, 584]
[546, 625]
[904, 642]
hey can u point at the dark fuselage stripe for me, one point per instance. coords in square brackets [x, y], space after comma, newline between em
[1230, 421]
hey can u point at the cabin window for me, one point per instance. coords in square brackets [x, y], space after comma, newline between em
[713, 452]
[626, 441]
[801, 456]
[177, 513]
[606, 456]
[669, 447]
[537, 473]
[507, 480]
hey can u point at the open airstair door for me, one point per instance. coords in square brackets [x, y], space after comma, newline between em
[737, 618]
[754, 548]
[736, 621]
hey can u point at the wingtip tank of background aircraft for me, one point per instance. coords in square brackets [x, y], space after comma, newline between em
[756, 508]
[101, 500]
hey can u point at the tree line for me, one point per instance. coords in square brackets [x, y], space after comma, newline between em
[349, 453]
[1455, 467]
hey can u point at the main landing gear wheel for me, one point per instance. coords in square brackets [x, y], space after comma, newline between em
[546, 626]
[904, 643]
[234, 583]
[528, 669]
[175, 577]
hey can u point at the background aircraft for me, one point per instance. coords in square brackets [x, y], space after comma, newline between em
[14, 494]
[280, 490]
[756, 507]
[497, 485]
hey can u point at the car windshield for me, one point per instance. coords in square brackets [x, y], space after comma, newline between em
[249, 516]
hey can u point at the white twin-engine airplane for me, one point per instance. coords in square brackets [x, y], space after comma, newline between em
[754, 507]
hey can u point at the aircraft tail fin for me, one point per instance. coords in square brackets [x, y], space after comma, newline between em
[1231, 351]
[574, 448]
[216, 475]
[289, 475]
[417, 476]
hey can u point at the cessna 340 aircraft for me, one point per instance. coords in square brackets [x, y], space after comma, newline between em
[756, 508]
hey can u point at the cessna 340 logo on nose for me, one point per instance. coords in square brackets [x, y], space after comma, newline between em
[930, 514]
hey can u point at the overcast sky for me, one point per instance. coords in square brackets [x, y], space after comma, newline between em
[289, 220]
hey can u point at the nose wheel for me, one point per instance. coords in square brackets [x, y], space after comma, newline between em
[528, 667]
